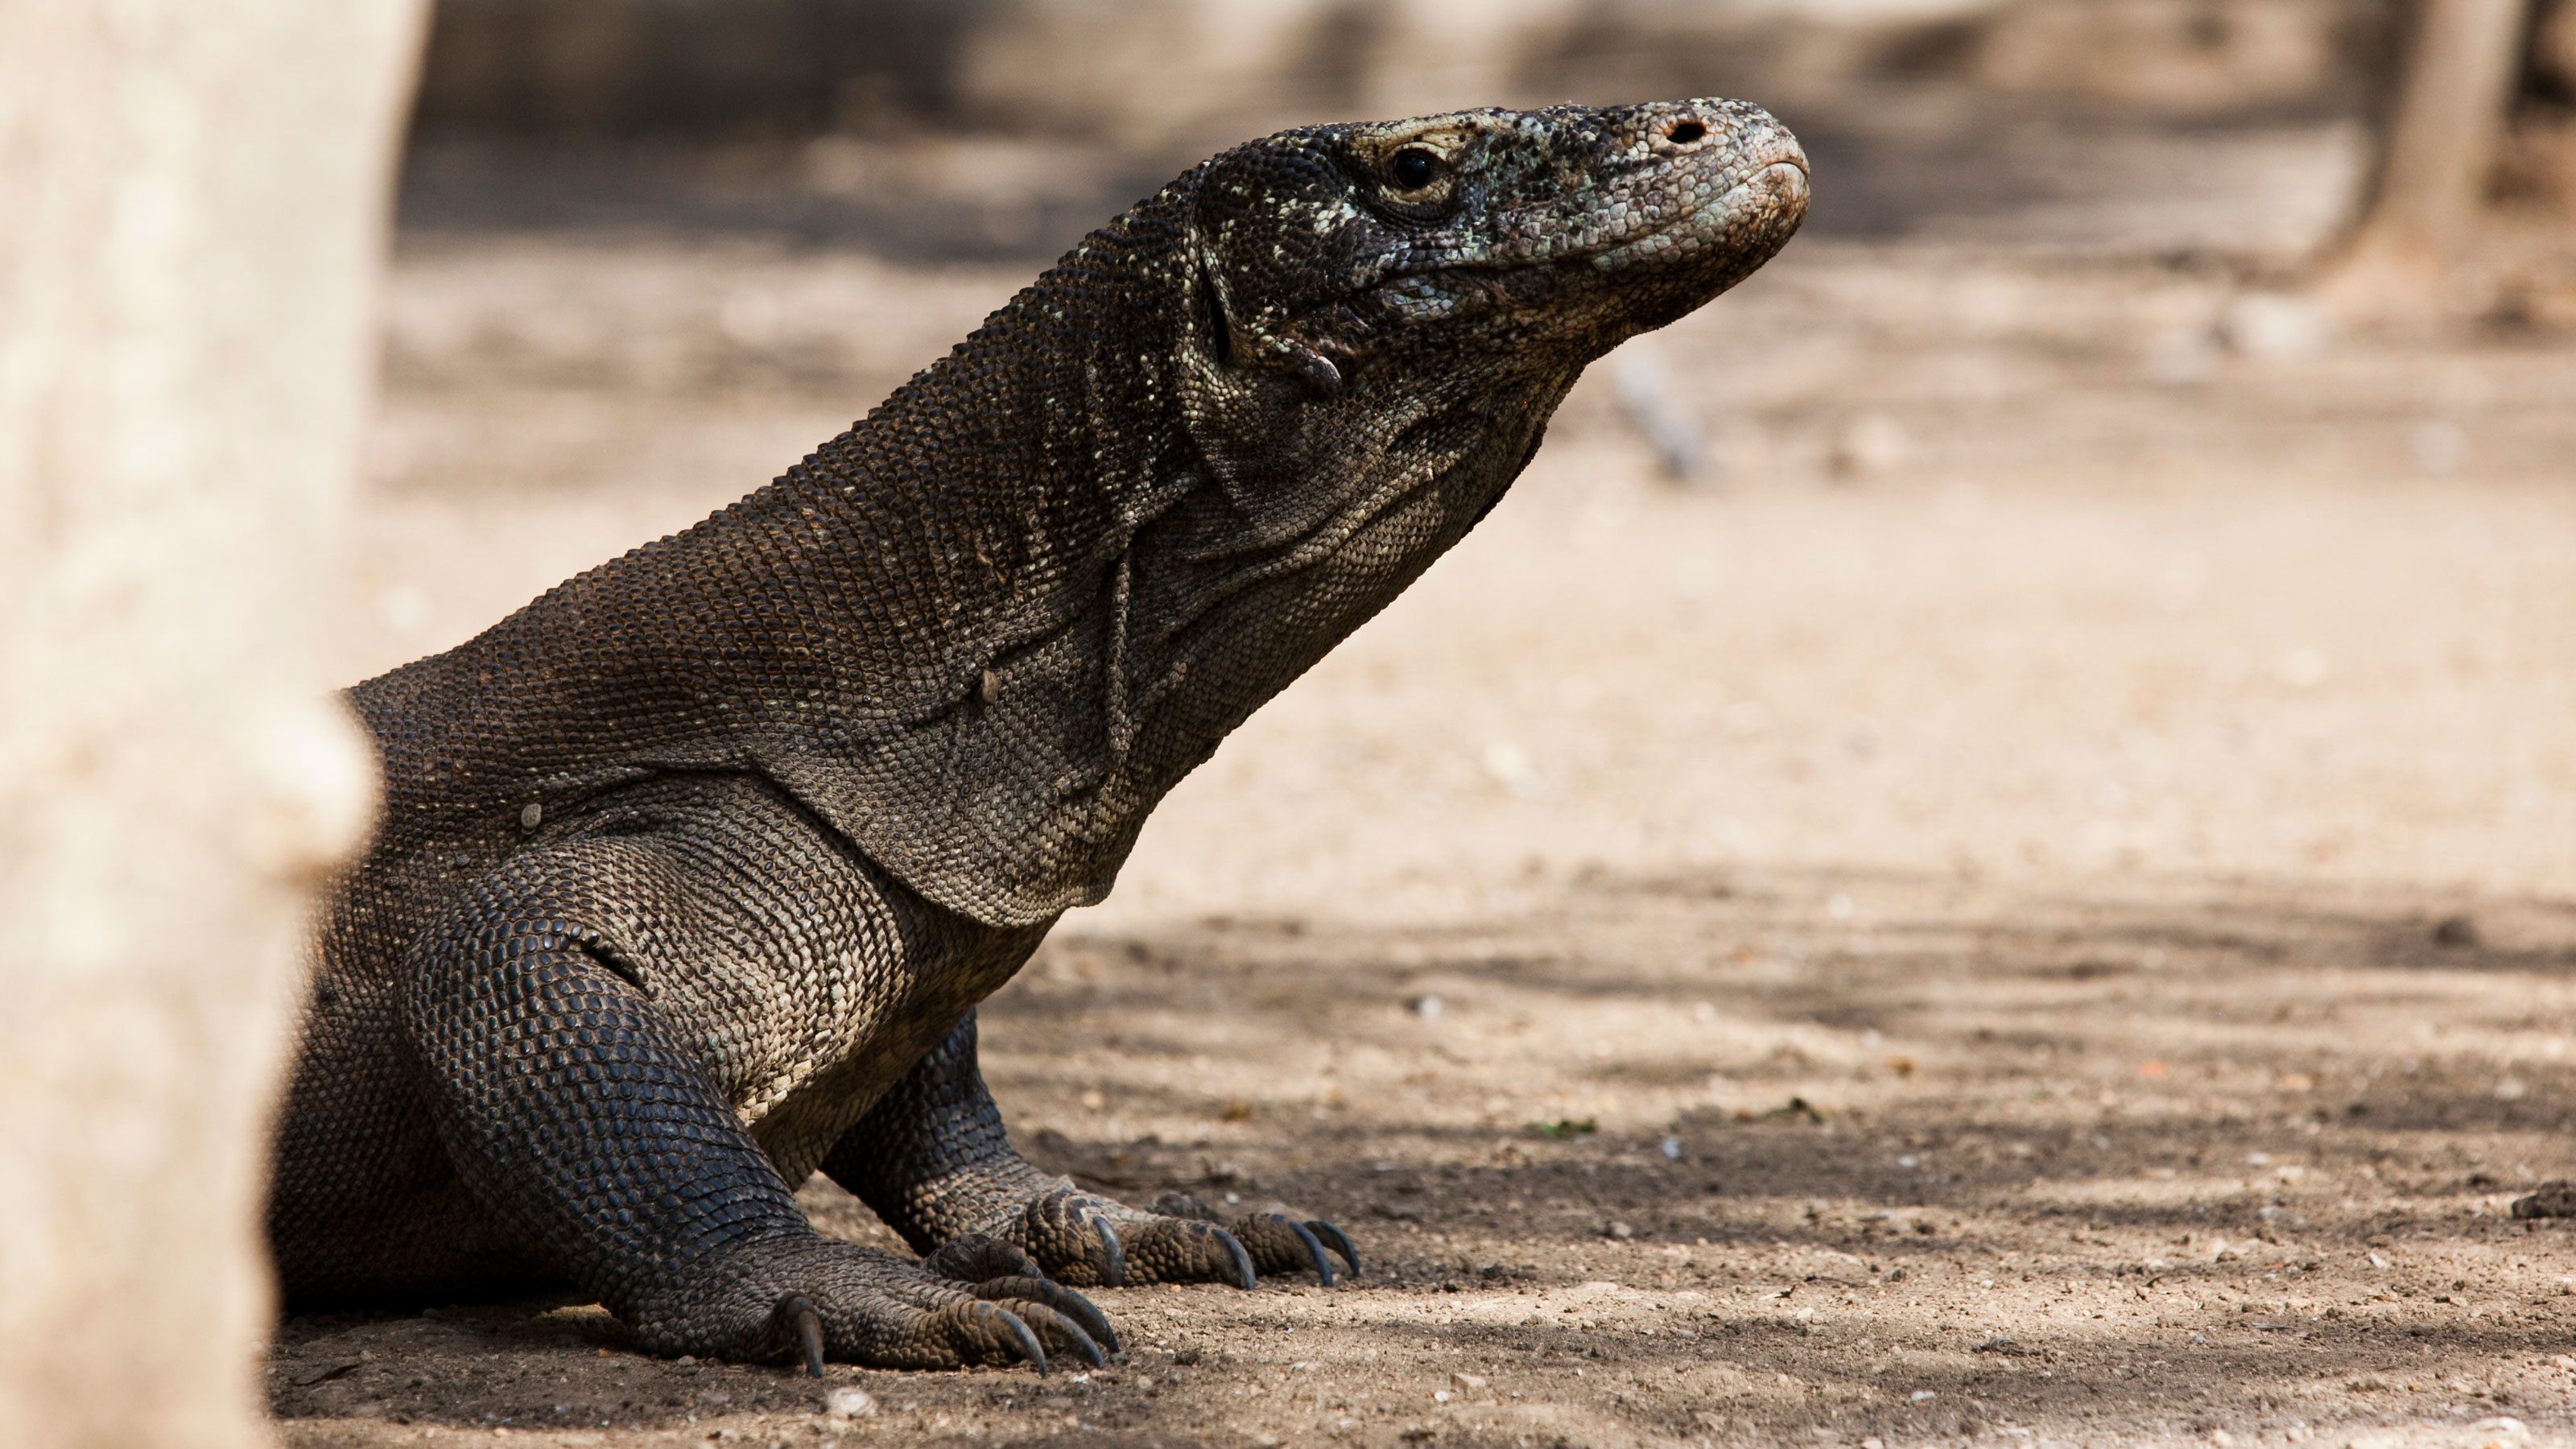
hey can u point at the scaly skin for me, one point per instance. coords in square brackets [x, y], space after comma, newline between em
[693, 870]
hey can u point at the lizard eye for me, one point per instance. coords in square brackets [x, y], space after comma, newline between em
[1413, 168]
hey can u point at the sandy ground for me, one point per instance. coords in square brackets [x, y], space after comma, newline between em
[1932, 934]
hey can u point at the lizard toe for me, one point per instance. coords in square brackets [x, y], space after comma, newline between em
[1073, 1306]
[817, 1300]
[1281, 1244]
[1276, 1242]
[1058, 1330]
[1070, 1233]
[1186, 1250]
[976, 1332]
[975, 1258]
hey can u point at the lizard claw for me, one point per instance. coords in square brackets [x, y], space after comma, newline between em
[975, 1301]
[1315, 1250]
[1071, 1305]
[1337, 1240]
[1063, 1331]
[1250, 1245]
[1244, 1277]
[1281, 1244]
[1014, 1295]
[1087, 1240]
[1003, 1330]
[1180, 1248]
[1113, 1268]
[1023, 1338]
[807, 1324]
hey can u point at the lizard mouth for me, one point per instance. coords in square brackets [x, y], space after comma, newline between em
[1756, 217]
[1732, 233]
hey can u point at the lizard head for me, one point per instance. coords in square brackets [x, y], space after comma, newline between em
[1359, 288]
[1368, 328]
[1560, 232]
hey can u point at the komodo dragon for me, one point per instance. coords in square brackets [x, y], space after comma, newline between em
[692, 872]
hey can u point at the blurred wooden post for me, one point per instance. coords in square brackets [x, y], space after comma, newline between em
[2454, 99]
[194, 198]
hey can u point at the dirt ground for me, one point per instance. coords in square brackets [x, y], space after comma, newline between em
[2035, 904]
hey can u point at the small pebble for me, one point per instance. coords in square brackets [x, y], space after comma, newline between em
[1511, 767]
[1870, 445]
[1429, 1007]
[848, 1402]
[1468, 1381]
[2276, 327]
[1619, 1230]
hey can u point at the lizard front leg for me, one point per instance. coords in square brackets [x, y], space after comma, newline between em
[572, 1112]
[933, 1160]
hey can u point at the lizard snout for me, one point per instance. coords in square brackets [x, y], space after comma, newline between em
[1786, 182]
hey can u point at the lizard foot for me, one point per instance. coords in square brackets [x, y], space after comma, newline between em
[1276, 1242]
[1092, 1240]
[975, 1301]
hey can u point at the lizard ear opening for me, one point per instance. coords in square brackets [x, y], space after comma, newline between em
[1219, 333]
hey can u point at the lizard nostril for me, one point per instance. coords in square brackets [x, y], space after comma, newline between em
[1685, 132]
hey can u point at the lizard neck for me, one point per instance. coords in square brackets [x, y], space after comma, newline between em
[959, 570]
[983, 632]
[1067, 593]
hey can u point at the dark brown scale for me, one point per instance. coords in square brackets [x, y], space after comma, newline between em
[693, 870]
